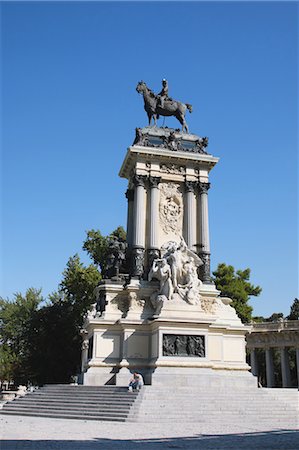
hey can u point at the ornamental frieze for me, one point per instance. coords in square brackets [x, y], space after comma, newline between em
[173, 169]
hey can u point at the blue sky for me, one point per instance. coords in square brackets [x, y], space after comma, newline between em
[70, 108]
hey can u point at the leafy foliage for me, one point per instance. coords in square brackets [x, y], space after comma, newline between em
[236, 285]
[294, 311]
[55, 335]
[15, 334]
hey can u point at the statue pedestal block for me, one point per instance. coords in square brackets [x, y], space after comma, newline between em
[203, 343]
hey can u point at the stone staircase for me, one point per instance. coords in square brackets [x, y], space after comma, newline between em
[75, 402]
[277, 408]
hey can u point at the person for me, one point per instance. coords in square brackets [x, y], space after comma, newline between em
[163, 95]
[136, 382]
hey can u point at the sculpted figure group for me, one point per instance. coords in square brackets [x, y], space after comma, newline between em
[177, 272]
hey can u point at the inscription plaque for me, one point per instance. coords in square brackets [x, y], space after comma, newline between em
[184, 345]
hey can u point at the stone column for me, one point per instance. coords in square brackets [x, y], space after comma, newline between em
[297, 364]
[203, 233]
[269, 368]
[190, 220]
[130, 197]
[138, 240]
[285, 367]
[254, 362]
[153, 251]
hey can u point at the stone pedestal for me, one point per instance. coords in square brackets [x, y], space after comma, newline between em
[167, 321]
[183, 342]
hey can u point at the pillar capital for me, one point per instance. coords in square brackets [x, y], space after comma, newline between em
[154, 181]
[130, 194]
[190, 186]
[204, 187]
[139, 180]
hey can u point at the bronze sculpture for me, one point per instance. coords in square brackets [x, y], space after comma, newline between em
[162, 105]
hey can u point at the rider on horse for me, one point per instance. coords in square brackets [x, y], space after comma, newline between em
[163, 95]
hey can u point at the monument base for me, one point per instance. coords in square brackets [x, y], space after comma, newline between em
[186, 343]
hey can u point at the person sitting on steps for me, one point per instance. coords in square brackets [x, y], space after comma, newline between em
[136, 382]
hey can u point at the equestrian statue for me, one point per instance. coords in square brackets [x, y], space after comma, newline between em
[162, 105]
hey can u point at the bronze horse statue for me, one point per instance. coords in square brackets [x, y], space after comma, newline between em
[170, 107]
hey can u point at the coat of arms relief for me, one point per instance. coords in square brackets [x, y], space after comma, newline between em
[171, 208]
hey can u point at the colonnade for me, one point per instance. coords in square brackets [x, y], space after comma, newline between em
[269, 336]
[143, 213]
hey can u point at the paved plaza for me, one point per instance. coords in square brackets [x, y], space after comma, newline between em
[36, 433]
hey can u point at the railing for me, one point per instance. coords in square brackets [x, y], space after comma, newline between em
[275, 326]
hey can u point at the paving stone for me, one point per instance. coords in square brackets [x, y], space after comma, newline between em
[37, 433]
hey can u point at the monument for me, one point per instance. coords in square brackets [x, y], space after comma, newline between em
[158, 311]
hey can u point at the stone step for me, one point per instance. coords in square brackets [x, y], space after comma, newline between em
[74, 405]
[220, 396]
[67, 409]
[239, 410]
[104, 404]
[250, 423]
[83, 391]
[226, 403]
[86, 397]
[83, 387]
[61, 415]
[255, 406]
[27, 401]
[215, 414]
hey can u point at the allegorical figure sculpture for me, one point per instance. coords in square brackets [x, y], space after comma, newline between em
[116, 255]
[162, 105]
[177, 272]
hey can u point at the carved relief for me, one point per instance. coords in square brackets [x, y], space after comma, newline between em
[208, 306]
[122, 304]
[173, 169]
[134, 301]
[171, 207]
[183, 345]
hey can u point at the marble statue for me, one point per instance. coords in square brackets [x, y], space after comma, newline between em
[177, 272]
[161, 270]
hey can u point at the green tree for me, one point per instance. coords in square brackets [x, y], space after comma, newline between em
[78, 285]
[294, 311]
[236, 285]
[15, 334]
[275, 317]
[55, 333]
[7, 361]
